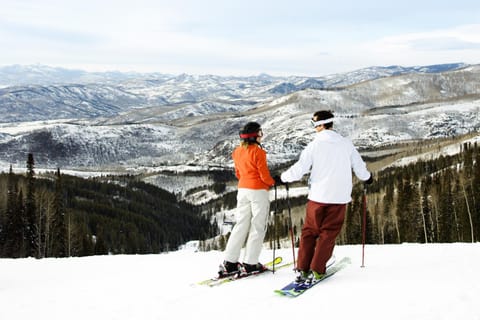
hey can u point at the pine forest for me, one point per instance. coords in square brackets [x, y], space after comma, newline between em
[434, 201]
[60, 215]
[56, 215]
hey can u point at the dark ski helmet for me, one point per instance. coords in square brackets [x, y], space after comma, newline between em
[250, 132]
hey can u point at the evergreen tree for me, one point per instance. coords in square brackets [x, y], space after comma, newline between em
[475, 186]
[446, 225]
[427, 212]
[20, 230]
[390, 232]
[352, 229]
[32, 232]
[408, 211]
[59, 227]
[12, 234]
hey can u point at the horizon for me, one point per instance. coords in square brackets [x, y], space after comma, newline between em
[40, 65]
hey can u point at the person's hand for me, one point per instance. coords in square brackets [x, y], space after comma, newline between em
[278, 180]
[369, 181]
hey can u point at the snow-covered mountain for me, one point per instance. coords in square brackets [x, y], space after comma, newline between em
[39, 92]
[186, 119]
[20, 75]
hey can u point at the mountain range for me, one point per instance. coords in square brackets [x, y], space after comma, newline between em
[108, 121]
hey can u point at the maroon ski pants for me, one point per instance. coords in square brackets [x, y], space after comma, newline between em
[322, 225]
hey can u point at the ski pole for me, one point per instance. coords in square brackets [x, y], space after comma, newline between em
[291, 226]
[364, 224]
[274, 228]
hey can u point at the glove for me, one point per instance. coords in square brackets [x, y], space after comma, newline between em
[278, 180]
[370, 180]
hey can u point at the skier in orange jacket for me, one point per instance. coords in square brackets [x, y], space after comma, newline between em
[253, 204]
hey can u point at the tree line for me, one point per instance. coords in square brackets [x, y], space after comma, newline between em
[435, 200]
[59, 215]
[428, 201]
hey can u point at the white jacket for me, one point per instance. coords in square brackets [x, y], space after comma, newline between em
[331, 158]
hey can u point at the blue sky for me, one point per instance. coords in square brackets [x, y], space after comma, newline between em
[244, 37]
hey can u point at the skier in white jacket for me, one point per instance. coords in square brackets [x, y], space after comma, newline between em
[330, 159]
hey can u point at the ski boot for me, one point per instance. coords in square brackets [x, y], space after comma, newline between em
[302, 276]
[229, 269]
[249, 269]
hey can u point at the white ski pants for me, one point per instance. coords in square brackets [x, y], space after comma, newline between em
[251, 216]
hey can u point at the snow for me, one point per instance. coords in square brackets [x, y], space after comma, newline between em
[407, 281]
[15, 128]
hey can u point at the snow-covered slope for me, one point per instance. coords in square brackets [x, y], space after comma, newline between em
[408, 281]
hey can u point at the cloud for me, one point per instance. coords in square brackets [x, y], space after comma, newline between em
[456, 44]
[456, 38]
[30, 32]
[442, 44]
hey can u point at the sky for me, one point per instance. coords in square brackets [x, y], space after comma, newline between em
[238, 37]
[397, 282]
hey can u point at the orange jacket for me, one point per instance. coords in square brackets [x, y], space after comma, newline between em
[251, 167]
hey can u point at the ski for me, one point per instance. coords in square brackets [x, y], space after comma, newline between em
[294, 289]
[216, 281]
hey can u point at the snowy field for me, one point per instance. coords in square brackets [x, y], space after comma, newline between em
[408, 281]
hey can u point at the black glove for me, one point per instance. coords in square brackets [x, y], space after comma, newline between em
[370, 180]
[278, 180]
